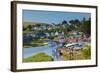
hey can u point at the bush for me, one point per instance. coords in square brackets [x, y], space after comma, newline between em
[87, 52]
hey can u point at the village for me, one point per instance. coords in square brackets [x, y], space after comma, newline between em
[67, 41]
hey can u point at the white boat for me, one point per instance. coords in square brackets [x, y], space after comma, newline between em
[71, 44]
[74, 45]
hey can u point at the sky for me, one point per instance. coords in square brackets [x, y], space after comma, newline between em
[52, 16]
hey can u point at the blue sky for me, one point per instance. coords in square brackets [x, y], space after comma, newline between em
[52, 16]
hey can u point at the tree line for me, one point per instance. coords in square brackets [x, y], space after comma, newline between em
[66, 26]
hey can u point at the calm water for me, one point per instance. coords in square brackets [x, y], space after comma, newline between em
[31, 51]
[45, 49]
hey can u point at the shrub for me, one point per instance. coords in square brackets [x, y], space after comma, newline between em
[87, 52]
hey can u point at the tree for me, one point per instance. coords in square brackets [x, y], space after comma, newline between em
[86, 27]
[64, 22]
[84, 19]
[30, 27]
[24, 28]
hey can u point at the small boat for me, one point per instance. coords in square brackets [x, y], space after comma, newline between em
[45, 43]
[74, 45]
[70, 44]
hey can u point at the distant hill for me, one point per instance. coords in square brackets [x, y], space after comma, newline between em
[34, 23]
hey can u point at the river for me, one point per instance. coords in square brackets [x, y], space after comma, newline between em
[27, 52]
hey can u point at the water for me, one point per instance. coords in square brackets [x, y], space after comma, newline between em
[34, 50]
[44, 49]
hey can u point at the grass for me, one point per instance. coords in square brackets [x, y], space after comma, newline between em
[86, 52]
[36, 43]
[40, 57]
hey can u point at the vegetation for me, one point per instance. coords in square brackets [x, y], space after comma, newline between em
[38, 42]
[86, 52]
[83, 54]
[40, 57]
[86, 27]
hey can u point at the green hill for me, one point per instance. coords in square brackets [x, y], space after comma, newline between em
[25, 24]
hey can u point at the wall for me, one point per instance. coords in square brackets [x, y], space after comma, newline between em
[5, 37]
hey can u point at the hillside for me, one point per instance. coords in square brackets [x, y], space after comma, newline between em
[33, 23]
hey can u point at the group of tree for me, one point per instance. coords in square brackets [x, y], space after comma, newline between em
[77, 25]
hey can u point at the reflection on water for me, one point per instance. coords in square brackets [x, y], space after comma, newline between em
[51, 50]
